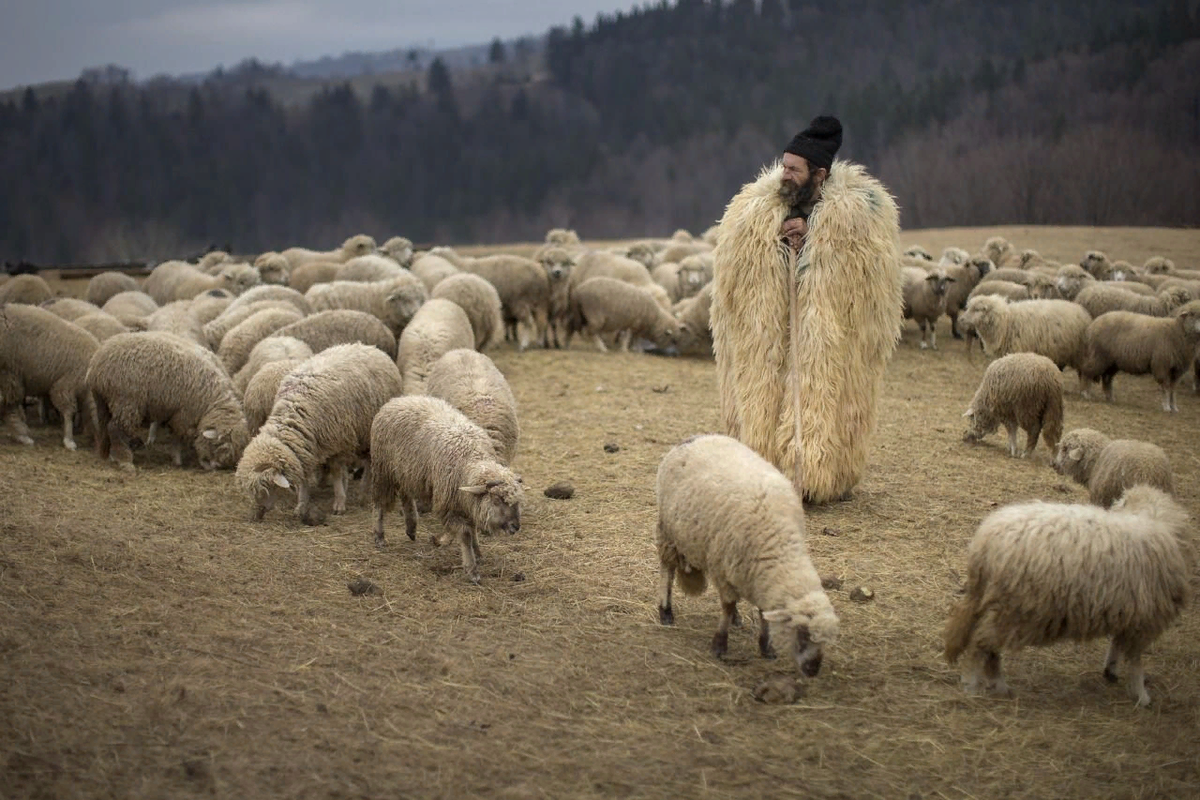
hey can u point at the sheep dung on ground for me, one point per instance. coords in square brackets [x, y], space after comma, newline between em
[326, 328]
[1107, 467]
[105, 285]
[606, 305]
[727, 515]
[1020, 390]
[480, 300]
[31, 290]
[925, 299]
[1053, 328]
[438, 327]
[470, 382]
[1040, 573]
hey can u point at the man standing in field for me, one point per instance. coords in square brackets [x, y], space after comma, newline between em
[806, 312]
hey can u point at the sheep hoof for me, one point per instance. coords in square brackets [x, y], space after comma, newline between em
[25, 440]
[70, 444]
[473, 577]
[720, 644]
[666, 616]
[1110, 675]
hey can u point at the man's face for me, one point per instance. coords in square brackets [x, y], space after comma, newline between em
[795, 169]
[800, 183]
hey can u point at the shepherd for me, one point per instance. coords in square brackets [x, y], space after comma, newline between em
[806, 311]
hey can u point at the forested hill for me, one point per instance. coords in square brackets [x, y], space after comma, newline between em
[973, 113]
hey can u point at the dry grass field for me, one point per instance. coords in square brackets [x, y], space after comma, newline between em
[156, 643]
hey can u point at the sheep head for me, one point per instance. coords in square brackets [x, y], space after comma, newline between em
[1158, 265]
[1077, 452]
[359, 245]
[807, 624]
[399, 249]
[239, 277]
[562, 236]
[916, 251]
[273, 268]
[1071, 279]
[557, 262]
[980, 424]
[1097, 264]
[222, 438]
[997, 248]
[494, 495]
[267, 471]
[982, 314]
[1188, 316]
[938, 281]
[953, 255]
[1043, 287]
[642, 253]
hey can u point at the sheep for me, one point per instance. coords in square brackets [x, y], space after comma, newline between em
[1028, 259]
[1019, 390]
[399, 249]
[393, 302]
[343, 326]
[211, 304]
[25, 289]
[1122, 341]
[666, 275]
[1107, 467]
[1039, 573]
[451, 255]
[1145, 290]
[558, 263]
[677, 251]
[1100, 298]
[426, 453]
[307, 275]
[368, 268]
[103, 286]
[606, 305]
[353, 247]
[322, 416]
[562, 237]
[273, 268]
[524, 294]
[438, 327]
[925, 299]
[1012, 292]
[480, 300]
[695, 272]
[595, 264]
[1097, 265]
[710, 234]
[432, 269]
[271, 292]
[470, 382]
[1071, 279]
[128, 306]
[727, 515]
[69, 308]
[240, 340]
[272, 348]
[1010, 274]
[918, 252]
[1158, 265]
[101, 325]
[179, 280]
[233, 316]
[42, 354]
[693, 313]
[1053, 328]
[175, 318]
[998, 250]
[141, 378]
[966, 276]
[212, 262]
[259, 397]
[643, 253]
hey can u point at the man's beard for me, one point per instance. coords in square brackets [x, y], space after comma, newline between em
[798, 194]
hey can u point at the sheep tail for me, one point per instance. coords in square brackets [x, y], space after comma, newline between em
[960, 626]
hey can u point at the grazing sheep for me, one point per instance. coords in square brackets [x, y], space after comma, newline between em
[271, 292]
[43, 355]
[273, 268]
[129, 306]
[105, 285]
[175, 318]
[998, 250]
[208, 306]
[1053, 328]
[1020, 390]
[696, 335]
[597, 264]
[398, 249]
[393, 302]
[925, 299]
[1071, 279]
[606, 305]
[307, 275]
[142, 378]
[343, 326]
[438, 327]
[1039, 573]
[353, 247]
[666, 275]
[229, 319]
[727, 515]
[1108, 467]
[558, 263]
[1136, 344]
[31, 290]
[480, 300]
[524, 294]
[426, 453]
[259, 397]
[966, 277]
[272, 348]
[101, 325]
[69, 308]
[1012, 292]
[321, 417]
[365, 269]
[1101, 297]
[432, 269]
[240, 340]
[470, 382]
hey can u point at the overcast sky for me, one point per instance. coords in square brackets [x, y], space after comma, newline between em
[44, 40]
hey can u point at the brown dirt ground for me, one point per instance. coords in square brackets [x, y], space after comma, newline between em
[156, 643]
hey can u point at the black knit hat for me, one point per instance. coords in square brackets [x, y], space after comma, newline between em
[818, 143]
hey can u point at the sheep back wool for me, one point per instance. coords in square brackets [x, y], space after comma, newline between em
[844, 290]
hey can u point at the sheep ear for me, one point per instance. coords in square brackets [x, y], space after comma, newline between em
[1075, 453]
[473, 489]
[281, 482]
[211, 433]
[777, 616]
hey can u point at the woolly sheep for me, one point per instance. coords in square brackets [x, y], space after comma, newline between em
[307, 275]
[1136, 344]
[727, 515]
[240, 340]
[175, 318]
[426, 453]
[179, 280]
[393, 302]
[597, 264]
[211, 304]
[1100, 298]
[1053, 328]
[524, 292]
[101, 325]
[470, 382]
[695, 272]
[259, 397]
[69, 308]
[212, 261]
[399, 249]
[558, 263]
[271, 292]
[1096, 263]
[1107, 467]
[369, 268]
[1039, 573]
[1028, 259]
[431, 269]
[322, 417]
[438, 327]
[43, 355]
[678, 251]
[644, 253]
[25, 289]
[666, 275]
[272, 348]
[998, 250]
[480, 300]
[1012, 292]
[953, 255]
[918, 252]
[327, 328]
[966, 276]
[105, 285]
[606, 305]
[1020, 390]
[359, 245]
[1010, 274]
[694, 312]
[273, 268]
[1142, 289]
[925, 299]
[563, 237]
[128, 306]
[233, 316]
[1071, 278]
[141, 378]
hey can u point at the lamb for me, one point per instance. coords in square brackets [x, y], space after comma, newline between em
[557, 263]
[1012, 292]
[925, 299]
[1100, 298]
[438, 327]
[26, 289]
[271, 292]
[1071, 279]
[353, 247]
[1122, 341]
[44, 355]
[259, 397]
[966, 276]
[240, 340]
[693, 313]
[1019, 390]
[129, 306]
[273, 268]
[524, 293]
[365, 269]
[343, 326]
[480, 300]
[433, 269]
[141, 378]
[393, 301]
[1039, 573]
[105, 285]
[272, 348]
[425, 452]
[1108, 467]
[726, 514]
[606, 305]
[470, 382]
[304, 276]
[101, 325]
[399, 249]
[1053, 328]
[69, 308]
[322, 416]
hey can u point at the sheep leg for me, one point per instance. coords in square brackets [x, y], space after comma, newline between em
[1012, 440]
[263, 506]
[119, 450]
[1137, 679]
[921, 325]
[1031, 438]
[16, 421]
[600, 345]
[1107, 382]
[151, 434]
[341, 477]
[410, 519]
[64, 401]
[177, 452]
[991, 671]
[720, 641]
[1110, 661]
[623, 340]
[933, 336]
[466, 534]
[954, 331]
[764, 638]
[1168, 396]
[666, 578]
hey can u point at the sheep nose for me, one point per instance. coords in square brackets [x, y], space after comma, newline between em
[811, 667]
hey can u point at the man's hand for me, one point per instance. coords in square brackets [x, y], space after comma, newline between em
[794, 230]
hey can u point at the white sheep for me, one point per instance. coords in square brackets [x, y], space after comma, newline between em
[599, 264]
[918, 253]
[271, 292]
[273, 268]
[925, 299]
[966, 276]
[359, 245]
[1039, 573]
[608, 306]
[431, 269]
[175, 318]
[370, 267]
[1018, 391]
[393, 301]
[998, 250]
[69, 308]
[558, 262]
[1107, 467]
[470, 381]
[43, 355]
[1053, 328]
[321, 417]
[259, 397]
[240, 340]
[103, 286]
[480, 300]
[1097, 265]
[179, 280]
[324, 329]
[438, 327]
[233, 316]
[129, 306]
[1010, 291]
[25, 289]
[426, 453]
[728, 516]
[142, 378]
[399, 249]
[1101, 297]
[209, 305]
[524, 294]
[1136, 344]
[1071, 279]
[666, 275]
[694, 314]
[101, 325]
[303, 277]
[272, 348]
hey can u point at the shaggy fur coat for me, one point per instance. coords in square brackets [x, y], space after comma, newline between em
[807, 335]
